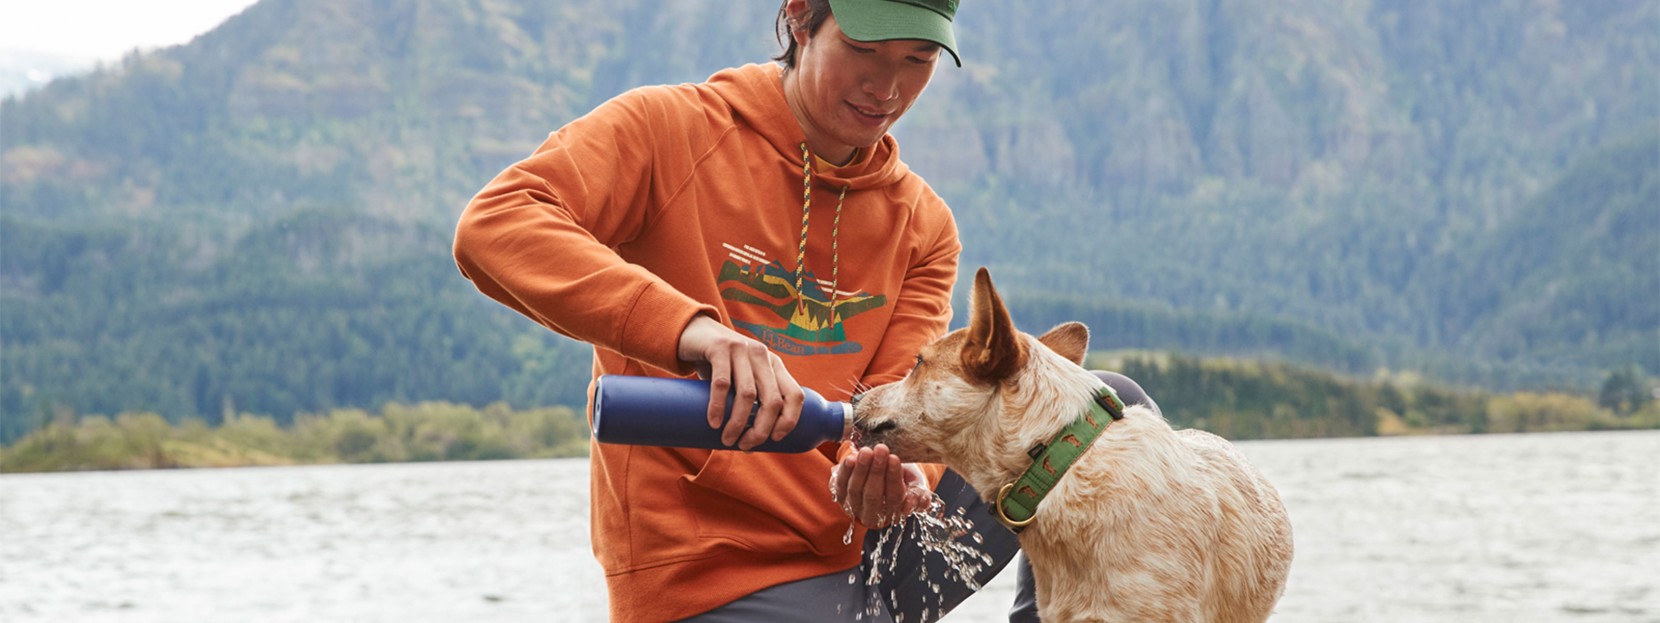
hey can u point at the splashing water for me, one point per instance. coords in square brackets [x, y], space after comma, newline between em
[938, 534]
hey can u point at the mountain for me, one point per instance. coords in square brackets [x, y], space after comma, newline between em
[259, 221]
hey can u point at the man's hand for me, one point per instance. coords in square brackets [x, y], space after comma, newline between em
[876, 489]
[754, 376]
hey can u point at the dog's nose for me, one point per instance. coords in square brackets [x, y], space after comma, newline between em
[854, 400]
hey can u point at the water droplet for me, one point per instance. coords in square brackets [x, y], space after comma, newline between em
[949, 536]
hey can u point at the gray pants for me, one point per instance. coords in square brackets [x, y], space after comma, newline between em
[901, 594]
[908, 573]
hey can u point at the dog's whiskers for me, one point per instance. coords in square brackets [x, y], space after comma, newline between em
[853, 387]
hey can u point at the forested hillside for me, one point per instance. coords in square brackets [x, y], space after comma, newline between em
[259, 221]
[1231, 398]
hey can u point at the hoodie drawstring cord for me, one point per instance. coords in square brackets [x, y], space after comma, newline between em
[835, 235]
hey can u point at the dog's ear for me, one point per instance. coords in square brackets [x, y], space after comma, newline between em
[1069, 340]
[994, 351]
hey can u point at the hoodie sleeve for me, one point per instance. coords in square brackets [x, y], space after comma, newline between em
[540, 237]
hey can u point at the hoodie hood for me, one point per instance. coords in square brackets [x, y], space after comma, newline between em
[755, 94]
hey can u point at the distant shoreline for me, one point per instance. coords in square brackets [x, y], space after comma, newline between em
[432, 432]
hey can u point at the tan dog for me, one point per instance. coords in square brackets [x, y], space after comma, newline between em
[1148, 524]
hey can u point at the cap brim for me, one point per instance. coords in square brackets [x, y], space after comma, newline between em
[886, 20]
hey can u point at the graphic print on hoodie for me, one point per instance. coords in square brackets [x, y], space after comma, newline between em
[805, 321]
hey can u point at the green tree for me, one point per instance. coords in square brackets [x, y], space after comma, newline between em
[1626, 390]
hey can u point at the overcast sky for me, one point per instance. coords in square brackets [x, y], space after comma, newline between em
[107, 29]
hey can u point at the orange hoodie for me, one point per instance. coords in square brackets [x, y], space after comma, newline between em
[672, 201]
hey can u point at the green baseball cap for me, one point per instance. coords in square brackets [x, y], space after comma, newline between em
[883, 20]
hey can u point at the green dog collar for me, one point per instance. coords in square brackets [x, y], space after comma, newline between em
[1017, 501]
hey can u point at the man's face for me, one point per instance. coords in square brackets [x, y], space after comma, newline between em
[852, 92]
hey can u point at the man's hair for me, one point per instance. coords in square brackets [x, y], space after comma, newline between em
[817, 12]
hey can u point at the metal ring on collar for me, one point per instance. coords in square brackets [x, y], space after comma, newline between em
[1003, 515]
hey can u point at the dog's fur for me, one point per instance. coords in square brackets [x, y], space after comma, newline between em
[1150, 524]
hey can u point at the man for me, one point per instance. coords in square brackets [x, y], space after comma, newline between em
[757, 229]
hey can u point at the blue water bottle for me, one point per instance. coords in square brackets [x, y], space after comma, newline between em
[651, 411]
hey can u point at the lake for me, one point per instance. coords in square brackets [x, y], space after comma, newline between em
[1500, 528]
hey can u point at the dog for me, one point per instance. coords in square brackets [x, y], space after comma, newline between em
[1147, 524]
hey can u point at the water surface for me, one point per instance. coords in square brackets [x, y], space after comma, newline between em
[1500, 528]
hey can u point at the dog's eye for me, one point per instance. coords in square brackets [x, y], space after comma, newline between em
[918, 361]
